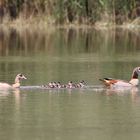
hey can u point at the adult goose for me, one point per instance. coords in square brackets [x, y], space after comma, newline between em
[110, 82]
[18, 79]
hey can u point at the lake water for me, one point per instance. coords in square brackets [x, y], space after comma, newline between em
[64, 55]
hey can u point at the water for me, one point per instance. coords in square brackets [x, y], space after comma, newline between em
[63, 55]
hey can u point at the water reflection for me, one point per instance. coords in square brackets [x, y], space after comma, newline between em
[7, 92]
[122, 91]
[28, 41]
[4, 93]
[133, 92]
[68, 113]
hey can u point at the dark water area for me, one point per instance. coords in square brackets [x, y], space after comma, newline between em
[64, 55]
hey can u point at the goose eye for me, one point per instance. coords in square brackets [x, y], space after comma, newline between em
[20, 75]
[139, 69]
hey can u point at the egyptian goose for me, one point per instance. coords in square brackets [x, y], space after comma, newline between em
[110, 82]
[18, 78]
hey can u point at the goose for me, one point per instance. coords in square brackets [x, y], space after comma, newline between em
[18, 78]
[70, 85]
[81, 84]
[110, 82]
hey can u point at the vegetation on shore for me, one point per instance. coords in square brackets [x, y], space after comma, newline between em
[62, 12]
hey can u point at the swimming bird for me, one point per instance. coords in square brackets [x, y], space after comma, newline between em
[70, 85]
[18, 79]
[81, 84]
[59, 85]
[110, 82]
[51, 85]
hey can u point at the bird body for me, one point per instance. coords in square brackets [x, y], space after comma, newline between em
[5, 85]
[18, 79]
[110, 82]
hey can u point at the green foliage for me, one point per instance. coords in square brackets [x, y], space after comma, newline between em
[70, 11]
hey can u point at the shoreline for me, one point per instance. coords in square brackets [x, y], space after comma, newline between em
[42, 24]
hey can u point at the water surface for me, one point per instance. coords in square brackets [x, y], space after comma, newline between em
[63, 55]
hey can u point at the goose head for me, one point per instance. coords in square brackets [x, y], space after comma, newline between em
[135, 73]
[18, 78]
[134, 79]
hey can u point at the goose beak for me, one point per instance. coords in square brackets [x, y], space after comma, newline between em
[23, 77]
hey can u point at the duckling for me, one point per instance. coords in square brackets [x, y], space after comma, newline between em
[70, 85]
[54, 84]
[18, 79]
[81, 84]
[64, 86]
[59, 85]
[44, 86]
[50, 85]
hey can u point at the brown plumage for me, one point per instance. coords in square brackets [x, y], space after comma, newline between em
[117, 82]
